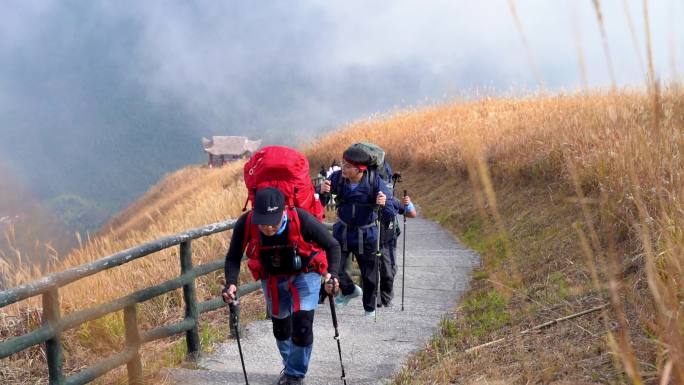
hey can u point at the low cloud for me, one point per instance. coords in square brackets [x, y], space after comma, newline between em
[100, 99]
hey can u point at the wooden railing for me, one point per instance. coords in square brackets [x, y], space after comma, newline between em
[54, 323]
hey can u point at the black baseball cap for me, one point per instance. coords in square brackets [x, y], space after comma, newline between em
[269, 204]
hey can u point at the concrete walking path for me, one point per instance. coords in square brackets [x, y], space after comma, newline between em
[437, 273]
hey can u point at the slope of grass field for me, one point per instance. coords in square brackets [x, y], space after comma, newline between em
[573, 201]
[189, 198]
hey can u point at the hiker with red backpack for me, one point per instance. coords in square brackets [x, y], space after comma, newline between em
[360, 196]
[288, 249]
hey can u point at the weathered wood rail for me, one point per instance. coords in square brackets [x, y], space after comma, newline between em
[54, 323]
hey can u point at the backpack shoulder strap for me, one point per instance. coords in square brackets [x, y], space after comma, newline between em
[374, 184]
[340, 189]
[248, 231]
[294, 223]
[340, 182]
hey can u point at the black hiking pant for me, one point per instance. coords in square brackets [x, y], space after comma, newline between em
[368, 264]
[388, 270]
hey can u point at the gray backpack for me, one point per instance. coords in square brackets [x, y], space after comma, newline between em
[377, 165]
[377, 154]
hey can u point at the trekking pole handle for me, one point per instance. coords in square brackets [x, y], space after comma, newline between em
[234, 308]
[233, 304]
[331, 300]
[327, 192]
[331, 282]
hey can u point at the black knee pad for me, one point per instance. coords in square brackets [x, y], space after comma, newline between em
[282, 328]
[302, 328]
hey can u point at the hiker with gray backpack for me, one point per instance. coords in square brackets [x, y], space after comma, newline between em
[361, 197]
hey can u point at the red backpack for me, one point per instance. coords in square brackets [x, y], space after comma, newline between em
[287, 170]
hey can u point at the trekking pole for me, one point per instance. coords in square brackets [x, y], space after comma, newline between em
[234, 307]
[337, 333]
[378, 256]
[403, 260]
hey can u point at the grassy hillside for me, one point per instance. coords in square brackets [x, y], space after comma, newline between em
[191, 197]
[572, 201]
[27, 228]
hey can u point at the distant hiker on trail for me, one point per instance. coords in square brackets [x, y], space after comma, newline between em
[389, 232]
[284, 246]
[357, 200]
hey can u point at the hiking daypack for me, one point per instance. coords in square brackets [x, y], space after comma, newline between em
[377, 154]
[287, 170]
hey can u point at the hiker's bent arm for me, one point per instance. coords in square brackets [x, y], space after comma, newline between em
[234, 256]
[315, 231]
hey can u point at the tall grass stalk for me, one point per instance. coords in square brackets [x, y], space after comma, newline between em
[619, 155]
[604, 39]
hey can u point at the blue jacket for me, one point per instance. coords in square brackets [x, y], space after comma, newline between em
[390, 225]
[397, 209]
[356, 227]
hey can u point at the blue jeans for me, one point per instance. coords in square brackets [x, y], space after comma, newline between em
[295, 358]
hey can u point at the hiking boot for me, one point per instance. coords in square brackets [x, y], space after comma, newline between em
[369, 313]
[385, 304]
[286, 379]
[343, 300]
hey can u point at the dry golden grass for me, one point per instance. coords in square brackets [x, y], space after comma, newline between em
[586, 179]
[614, 159]
[517, 137]
[189, 198]
[186, 199]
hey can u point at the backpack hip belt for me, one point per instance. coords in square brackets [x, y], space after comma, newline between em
[360, 229]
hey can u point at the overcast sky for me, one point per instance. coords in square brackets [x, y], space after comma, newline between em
[98, 90]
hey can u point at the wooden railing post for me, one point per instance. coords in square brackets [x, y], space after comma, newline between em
[53, 323]
[135, 372]
[53, 347]
[190, 298]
